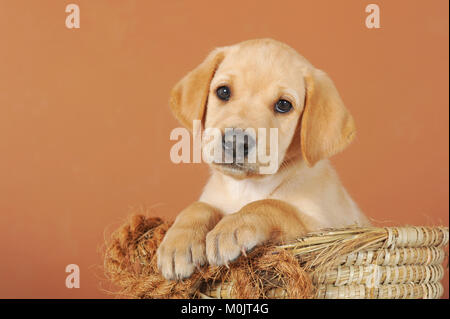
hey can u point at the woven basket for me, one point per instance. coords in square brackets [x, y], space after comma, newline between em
[396, 263]
[371, 263]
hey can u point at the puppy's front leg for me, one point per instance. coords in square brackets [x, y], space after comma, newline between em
[254, 224]
[183, 246]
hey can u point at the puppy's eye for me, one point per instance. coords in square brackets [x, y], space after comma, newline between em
[283, 106]
[223, 93]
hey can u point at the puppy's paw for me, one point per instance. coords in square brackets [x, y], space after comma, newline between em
[231, 237]
[181, 251]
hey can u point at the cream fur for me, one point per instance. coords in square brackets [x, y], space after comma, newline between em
[239, 209]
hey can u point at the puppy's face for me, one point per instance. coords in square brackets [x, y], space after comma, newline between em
[258, 86]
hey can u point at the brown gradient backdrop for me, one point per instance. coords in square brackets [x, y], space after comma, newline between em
[85, 123]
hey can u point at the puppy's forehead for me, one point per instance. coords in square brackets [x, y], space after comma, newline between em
[263, 59]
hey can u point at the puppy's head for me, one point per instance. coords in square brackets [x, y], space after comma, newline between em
[257, 85]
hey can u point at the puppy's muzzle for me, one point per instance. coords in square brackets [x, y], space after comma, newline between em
[237, 144]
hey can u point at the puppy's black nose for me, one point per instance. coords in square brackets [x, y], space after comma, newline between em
[237, 143]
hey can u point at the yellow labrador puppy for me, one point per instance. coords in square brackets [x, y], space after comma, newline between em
[260, 84]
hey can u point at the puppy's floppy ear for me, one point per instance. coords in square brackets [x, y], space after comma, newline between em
[189, 96]
[326, 126]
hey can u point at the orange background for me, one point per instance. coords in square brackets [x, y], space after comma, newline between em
[85, 123]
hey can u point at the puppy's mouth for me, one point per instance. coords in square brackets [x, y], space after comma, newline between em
[237, 169]
[236, 166]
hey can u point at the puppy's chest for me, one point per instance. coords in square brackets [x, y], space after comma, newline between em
[236, 195]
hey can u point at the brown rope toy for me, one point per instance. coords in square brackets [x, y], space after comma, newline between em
[402, 262]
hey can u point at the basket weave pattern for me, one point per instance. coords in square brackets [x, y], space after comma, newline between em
[389, 262]
[398, 262]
